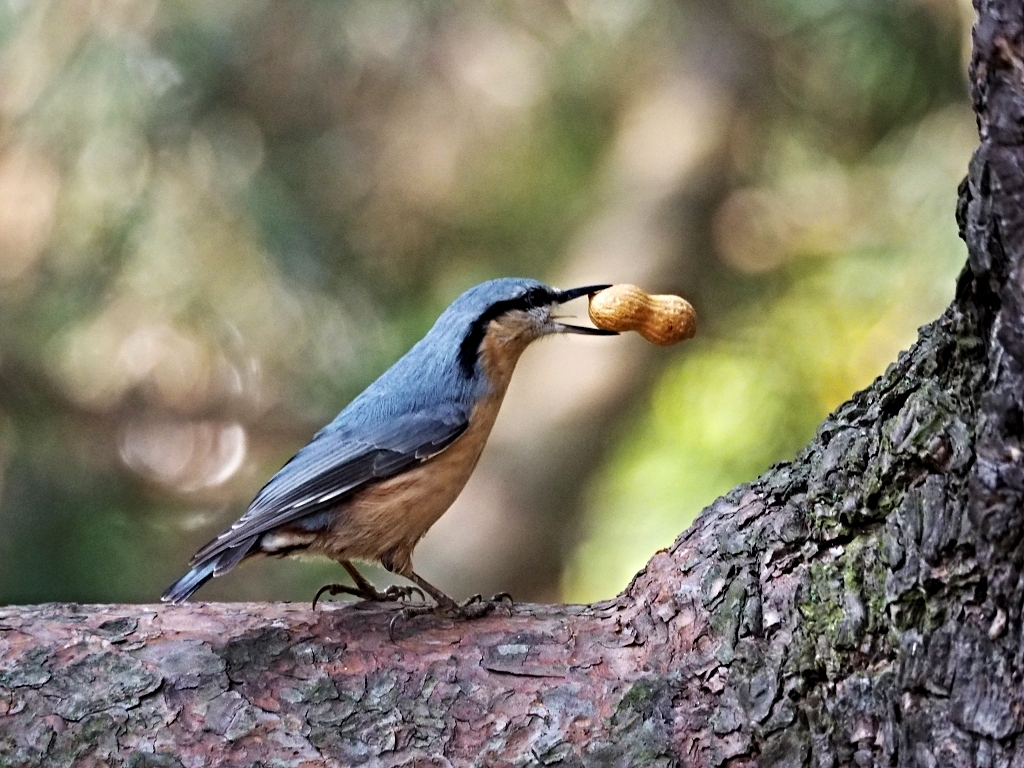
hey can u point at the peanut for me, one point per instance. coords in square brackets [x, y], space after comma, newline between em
[662, 320]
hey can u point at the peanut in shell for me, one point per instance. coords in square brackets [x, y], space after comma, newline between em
[662, 320]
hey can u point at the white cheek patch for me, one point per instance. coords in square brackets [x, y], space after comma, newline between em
[277, 541]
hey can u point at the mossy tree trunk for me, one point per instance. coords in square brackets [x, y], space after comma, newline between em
[861, 605]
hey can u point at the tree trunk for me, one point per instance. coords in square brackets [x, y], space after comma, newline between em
[861, 605]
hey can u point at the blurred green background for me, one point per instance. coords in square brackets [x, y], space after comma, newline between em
[219, 221]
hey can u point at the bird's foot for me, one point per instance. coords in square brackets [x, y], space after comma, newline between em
[473, 608]
[476, 606]
[394, 593]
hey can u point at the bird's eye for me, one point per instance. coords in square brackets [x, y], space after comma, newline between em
[536, 297]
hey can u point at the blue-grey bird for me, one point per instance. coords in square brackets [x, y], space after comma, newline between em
[372, 482]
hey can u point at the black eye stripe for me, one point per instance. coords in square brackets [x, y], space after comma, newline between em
[537, 297]
[534, 297]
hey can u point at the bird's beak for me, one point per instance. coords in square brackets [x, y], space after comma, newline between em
[575, 293]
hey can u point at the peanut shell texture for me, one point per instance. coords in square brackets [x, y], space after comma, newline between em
[662, 320]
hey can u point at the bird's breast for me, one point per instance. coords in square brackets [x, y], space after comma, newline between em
[389, 517]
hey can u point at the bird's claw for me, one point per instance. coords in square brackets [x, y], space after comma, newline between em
[393, 594]
[476, 606]
[397, 593]
[473, 608]
[407, 613]
[334, 589]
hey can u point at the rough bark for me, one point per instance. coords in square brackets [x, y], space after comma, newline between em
[861, 605]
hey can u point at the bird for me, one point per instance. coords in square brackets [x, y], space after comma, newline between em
[371, 483]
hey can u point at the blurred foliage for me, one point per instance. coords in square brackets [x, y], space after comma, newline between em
[864, 254]
[218, 221]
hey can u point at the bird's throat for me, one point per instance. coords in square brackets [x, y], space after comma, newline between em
[505, 340]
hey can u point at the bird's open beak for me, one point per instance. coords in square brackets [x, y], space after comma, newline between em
[575, 293]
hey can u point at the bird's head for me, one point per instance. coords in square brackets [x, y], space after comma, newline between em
[501, 317]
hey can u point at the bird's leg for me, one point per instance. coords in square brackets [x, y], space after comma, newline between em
[467, 608]
[368, 592]
[473, 608]
[442, 600]
[364, 589]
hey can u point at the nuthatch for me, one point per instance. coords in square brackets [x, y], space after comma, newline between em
[372, 482]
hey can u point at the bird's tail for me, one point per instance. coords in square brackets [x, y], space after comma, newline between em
[204, 570]
[182, 589]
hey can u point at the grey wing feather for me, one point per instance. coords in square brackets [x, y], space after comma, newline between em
[336, 463]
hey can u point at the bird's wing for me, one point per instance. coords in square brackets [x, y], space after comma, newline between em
[336, 463]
